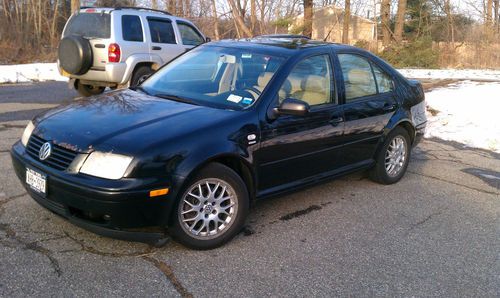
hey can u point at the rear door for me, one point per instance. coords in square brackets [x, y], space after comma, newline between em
[369, 103]
[132, 41]
[94, 26]
[163, 39]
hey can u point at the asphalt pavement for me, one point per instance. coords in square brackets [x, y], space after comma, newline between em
[435, 233]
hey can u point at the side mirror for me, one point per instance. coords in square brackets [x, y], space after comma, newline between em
[208, 39]
[292, 106]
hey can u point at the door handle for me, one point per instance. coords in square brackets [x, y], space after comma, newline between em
[336, 121]
[389, 107]
[155, 48]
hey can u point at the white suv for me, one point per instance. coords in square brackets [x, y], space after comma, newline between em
[110, 47]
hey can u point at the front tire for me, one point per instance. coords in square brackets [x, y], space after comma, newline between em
[212, 209]
[392, 159]
[89, 90]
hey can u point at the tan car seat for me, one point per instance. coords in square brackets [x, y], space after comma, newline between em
[359, 82]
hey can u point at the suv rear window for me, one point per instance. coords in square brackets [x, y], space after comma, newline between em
[131, 28]
[161, 30]
[95, 25]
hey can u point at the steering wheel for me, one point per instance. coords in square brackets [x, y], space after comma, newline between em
[254, 90]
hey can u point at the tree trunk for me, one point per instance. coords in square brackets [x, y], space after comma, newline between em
[495, 11]
[308, 18]
[216, 20]
[253, 16]
[400, 21]
[238, 19]
[489, 10]
[154, 4]
[75, 5]
[385, 10]
[347, 20]
[449, 20]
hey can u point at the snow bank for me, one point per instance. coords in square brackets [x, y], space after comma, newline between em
[468, 113]
[30, 72]
[459, 74]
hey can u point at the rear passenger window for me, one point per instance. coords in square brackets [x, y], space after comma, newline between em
[161, 31]
[131, 28]
[384, 82]
[189, 35]
[358, 76]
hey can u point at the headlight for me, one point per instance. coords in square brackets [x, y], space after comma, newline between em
[106, 165]
[27, 133]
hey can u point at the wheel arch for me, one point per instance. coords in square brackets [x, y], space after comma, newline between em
[232, 161]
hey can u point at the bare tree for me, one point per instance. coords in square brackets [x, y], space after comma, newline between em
[253, 16]
[236, 11]
[215, 20]
[308, 18]
[400, 21]
[75, 5]
[385, 10]
[347, 20]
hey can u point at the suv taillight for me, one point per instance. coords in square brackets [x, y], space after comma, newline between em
[114, 53]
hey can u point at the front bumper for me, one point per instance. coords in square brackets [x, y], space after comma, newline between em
[104, 211]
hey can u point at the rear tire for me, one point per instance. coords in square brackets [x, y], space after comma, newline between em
[212, 208]
[89, 90]
[140, 75]
[393, 157]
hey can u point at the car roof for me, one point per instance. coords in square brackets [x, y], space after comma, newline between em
[279, 45]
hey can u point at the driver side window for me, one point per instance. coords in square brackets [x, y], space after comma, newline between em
[310, 81]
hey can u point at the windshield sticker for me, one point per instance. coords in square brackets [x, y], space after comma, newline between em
[234, 98]
[247, 101]
[246, 56]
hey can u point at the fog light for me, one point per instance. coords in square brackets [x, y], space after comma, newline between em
[106, 217]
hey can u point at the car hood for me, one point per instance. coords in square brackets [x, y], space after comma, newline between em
[124, 121]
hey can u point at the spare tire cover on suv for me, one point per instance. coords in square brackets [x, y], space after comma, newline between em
[75, 54]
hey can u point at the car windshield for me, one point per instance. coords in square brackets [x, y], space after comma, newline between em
[226, 78]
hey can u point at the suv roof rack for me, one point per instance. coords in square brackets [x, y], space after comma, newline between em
[143, 8]
[130, 7]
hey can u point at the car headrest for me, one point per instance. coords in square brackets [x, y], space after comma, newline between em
[359, 76]
[264, 78]
[314, 83]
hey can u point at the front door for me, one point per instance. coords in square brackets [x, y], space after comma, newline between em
[297, 148]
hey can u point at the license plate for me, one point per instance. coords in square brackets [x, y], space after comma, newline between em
[37, 181]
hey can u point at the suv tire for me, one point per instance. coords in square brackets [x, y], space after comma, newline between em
[140, 75]
[89, 90]
[223, 203]
[393, 157]
[75, 54]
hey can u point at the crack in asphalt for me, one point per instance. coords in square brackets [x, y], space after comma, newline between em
[454, 183]
[33, 246]
[169, 273]
[150, 249]
[423, 221]
[9, 199]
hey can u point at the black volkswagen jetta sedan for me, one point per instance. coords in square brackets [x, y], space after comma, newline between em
[217, 128]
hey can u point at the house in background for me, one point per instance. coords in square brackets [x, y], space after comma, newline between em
[328, 22]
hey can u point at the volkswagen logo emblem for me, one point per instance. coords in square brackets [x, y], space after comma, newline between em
[45, 151]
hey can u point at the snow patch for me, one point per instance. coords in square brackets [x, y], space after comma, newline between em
[30, 72]
[458, 74]
[468, 113]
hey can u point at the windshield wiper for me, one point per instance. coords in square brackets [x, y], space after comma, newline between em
[176, 98]
[140, 89]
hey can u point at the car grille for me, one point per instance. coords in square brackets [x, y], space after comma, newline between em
[59, 159]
